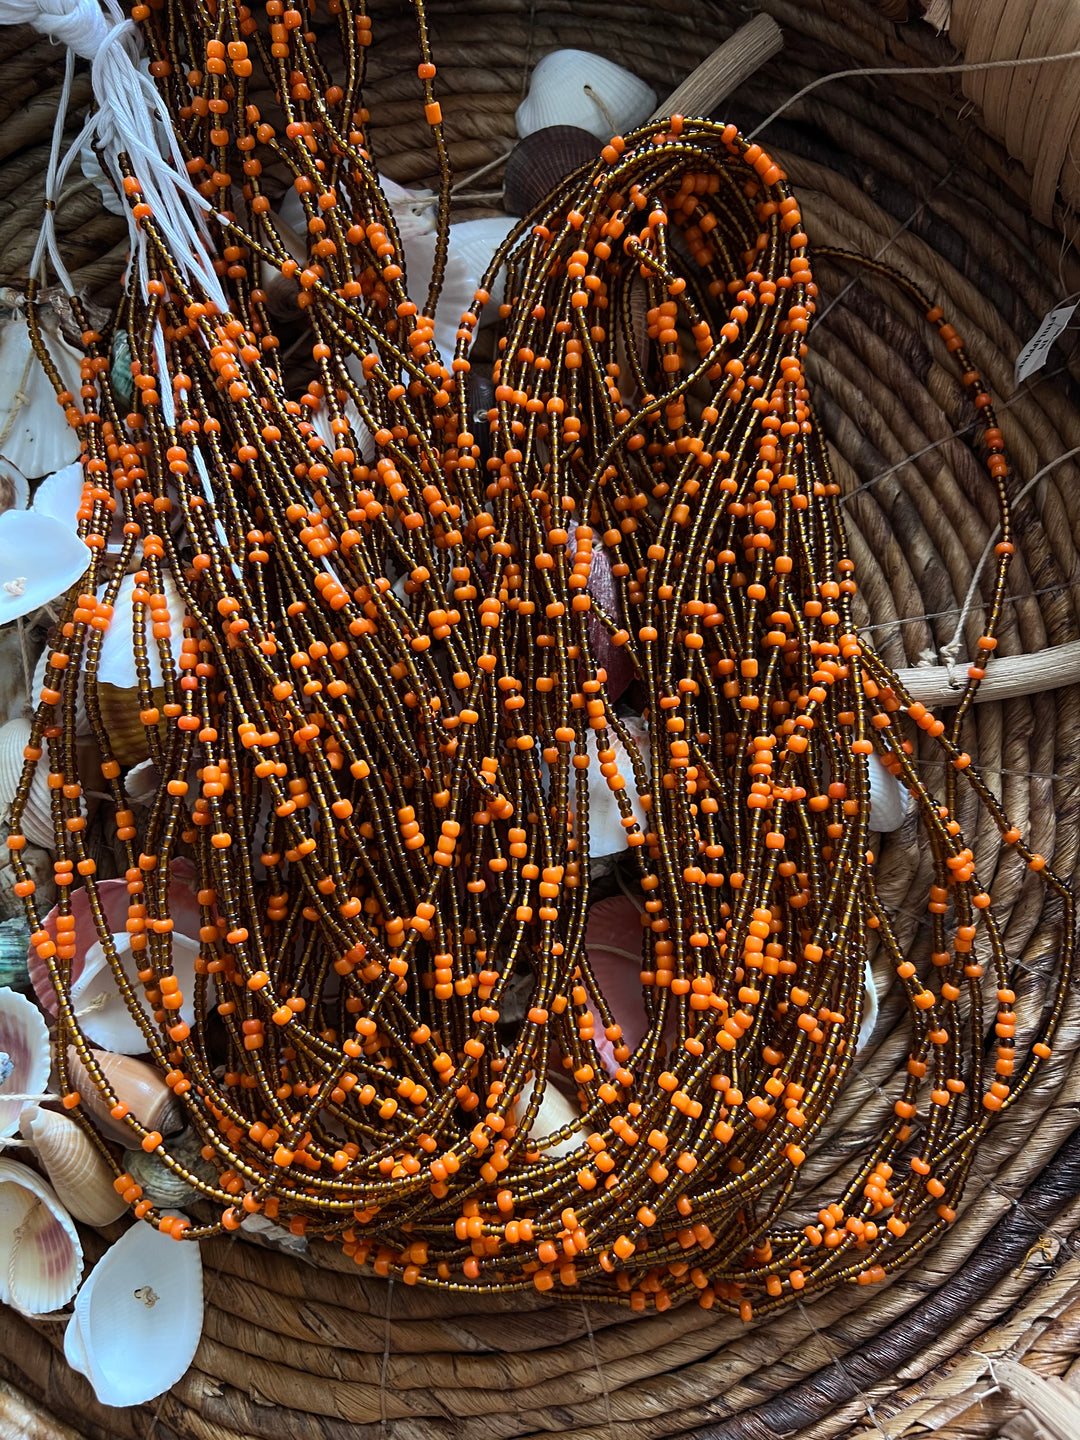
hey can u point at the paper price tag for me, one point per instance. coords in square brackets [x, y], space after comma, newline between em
[1033, 356]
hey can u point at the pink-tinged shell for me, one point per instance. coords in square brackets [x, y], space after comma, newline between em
[24, 1039]
[613, 945]
[138, 1317]
[113, 897]
[615, 659]
[139, 1085]
[82, 1180]
[40, 1254]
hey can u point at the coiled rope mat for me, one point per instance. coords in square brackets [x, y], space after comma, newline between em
[318, 1352]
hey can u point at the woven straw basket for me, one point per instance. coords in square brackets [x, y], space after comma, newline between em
[980, 1337]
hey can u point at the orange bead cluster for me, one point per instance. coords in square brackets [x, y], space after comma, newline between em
[396, 679]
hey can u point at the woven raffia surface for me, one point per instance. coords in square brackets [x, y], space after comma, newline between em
[299, 1351]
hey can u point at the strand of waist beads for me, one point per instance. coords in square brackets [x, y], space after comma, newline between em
[377, 729]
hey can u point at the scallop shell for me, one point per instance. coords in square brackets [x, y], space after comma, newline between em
[33, 432]
[573, 87]
[138, 1317]
[14, 737]
[79, 1175]
[40, 1255]
[37, 823]
[139, 1085]
[25, 1041]
[889, 800]
[540, 163]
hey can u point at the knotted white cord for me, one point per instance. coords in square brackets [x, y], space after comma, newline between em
[127, 120]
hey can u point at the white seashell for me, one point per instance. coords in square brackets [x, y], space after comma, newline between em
[40, 558]
[607, 835]
[79, 1175]
[889, 800]
[474, 243]
[117, 662]
[573, 87]
[14, 737]
[40, 1254]
[99, 1007]
[139, 1085]
[34, 434]
[413, 212]
[555, 1111]
[870, 1008]
[24, 1039]
[142, 783]
[37, 823]
[60, 495]
[138, 1317]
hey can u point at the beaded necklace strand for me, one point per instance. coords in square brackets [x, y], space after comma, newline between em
[391, 688]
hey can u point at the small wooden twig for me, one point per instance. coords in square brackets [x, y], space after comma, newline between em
[724, 70]
[1015, 675]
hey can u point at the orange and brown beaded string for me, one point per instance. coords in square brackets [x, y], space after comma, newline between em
[377, 740]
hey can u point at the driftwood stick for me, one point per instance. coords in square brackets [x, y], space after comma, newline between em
[1015, 675]
[724, 70]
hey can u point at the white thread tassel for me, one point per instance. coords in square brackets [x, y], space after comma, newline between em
[125, 121]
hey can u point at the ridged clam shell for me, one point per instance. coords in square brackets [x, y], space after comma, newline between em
[14, 737]
[573, 87]
[120, 367]
[37, 438]
[870, 1007]
[138, 1317]
[24, 1039]
[139, 1085]
[161, 1184]
[40, 1253]
[540, 163]
[37, 824]
[78, 1173]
